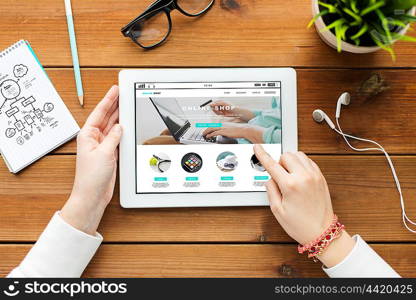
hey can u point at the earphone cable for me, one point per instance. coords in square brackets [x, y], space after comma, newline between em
[380, 148]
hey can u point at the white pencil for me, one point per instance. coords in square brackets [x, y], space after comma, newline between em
[74, 51]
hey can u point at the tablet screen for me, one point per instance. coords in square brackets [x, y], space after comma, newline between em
[197, 137]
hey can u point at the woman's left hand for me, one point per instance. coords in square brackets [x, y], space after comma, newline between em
[96, 166]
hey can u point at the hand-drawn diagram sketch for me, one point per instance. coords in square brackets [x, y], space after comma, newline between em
[26, 116]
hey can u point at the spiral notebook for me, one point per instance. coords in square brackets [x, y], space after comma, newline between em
[33, 118]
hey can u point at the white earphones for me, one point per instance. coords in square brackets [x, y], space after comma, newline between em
[345, 99]
[319, 116]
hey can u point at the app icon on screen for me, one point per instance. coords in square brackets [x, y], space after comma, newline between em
[191, 162]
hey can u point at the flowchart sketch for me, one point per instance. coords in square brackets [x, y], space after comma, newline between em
[24, 111]
[34, 120]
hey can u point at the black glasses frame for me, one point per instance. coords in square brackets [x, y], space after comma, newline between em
[156, 7]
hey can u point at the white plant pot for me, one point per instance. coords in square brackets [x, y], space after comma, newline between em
[329, 38]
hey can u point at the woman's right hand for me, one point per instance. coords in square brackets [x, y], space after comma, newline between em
[225, 109]
[96, 166]
[300, 200]
[222, 108]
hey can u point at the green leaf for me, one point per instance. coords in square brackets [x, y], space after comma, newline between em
[392, 5]
[396, 23]
[353, 15]
[372, 8]
[384, 47]
[354, 6]
[378, 31]
[331, 8]
[355, 23]
[343, 29]
[407, 18]
[333, 25]
[385, 25]
[357, 42]
[405, 38]
[317, 16]
[339, 38]
[362, 30]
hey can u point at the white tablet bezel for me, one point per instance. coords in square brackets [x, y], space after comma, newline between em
[127, 80]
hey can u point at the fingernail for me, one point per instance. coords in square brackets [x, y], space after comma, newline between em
[112, 89]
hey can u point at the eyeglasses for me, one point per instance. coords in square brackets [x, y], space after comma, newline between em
[153, 26]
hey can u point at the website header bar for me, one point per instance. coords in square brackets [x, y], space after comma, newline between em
[207, 85]
[212, 93]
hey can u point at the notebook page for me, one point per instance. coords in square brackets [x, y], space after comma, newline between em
[33, 118]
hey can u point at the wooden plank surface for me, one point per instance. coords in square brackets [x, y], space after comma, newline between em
[389, 118]
[239, 33]
[362, 189]
[210, 260]
[233, 33]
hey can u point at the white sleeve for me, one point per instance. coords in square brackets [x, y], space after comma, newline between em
[61, 251]
[363, 262]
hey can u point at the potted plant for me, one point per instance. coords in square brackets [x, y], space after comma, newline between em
[363, 26]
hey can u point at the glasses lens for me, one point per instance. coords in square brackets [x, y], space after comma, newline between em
[152, 30]
[194, 7]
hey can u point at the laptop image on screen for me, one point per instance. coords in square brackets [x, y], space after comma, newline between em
[173, 116]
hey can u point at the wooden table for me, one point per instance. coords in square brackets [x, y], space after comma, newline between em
[225, 242]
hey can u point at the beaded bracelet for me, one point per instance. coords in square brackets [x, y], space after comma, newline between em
[317, 246]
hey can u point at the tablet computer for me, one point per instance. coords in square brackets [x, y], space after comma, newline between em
[188, 134]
